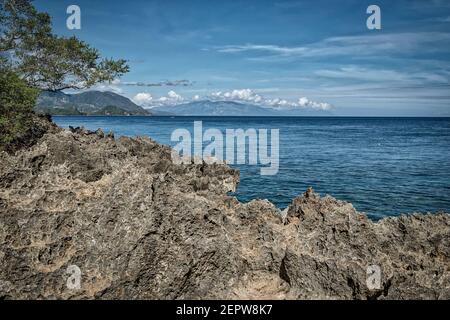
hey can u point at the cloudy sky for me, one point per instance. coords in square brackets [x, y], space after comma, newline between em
[315, 54]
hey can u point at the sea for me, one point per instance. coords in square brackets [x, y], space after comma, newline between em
[383, 166]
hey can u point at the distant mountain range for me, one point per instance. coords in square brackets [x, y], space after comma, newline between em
[213, 108]
[109, 104]
[231, 109]
[87, 103]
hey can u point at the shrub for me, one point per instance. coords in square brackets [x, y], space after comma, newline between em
[17, 100]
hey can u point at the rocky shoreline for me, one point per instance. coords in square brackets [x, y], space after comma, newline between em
[138, 226]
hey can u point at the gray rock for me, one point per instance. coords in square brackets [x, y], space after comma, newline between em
[137, 226]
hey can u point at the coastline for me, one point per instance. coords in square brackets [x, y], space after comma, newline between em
[138, 226]
[216, 116]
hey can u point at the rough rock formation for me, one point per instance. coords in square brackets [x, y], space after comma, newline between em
[37, 126]
[138, 226]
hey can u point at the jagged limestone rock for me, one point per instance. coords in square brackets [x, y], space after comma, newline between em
[137, 226]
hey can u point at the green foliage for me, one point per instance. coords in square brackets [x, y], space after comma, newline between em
[15, 94]
[47, 61]
[32, 58]
[17, 100]
[21, 25]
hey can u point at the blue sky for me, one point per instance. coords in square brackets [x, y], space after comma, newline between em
[316, 54]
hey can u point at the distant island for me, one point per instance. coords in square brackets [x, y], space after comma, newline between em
[233, 109]
[215, 108]
[87, 103]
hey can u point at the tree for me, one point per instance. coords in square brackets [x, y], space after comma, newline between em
[32, 58]
[47, 61]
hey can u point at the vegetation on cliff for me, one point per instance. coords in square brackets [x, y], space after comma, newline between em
[16, 102]
[32, 58]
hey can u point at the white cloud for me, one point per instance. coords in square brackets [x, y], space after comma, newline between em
[143, 98]
[146, 100]
[112, 86]
[245, 95]
[173, 96]
[306, 103]
[168, 83]
[442, 19]
[384, 75]
[249, 96]
[365, 45]
[278, 103]
[301, 103]
[352, 72]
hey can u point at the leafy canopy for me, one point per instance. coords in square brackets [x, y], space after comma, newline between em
[47, 61]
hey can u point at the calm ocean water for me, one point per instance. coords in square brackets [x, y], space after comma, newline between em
[384, 166]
